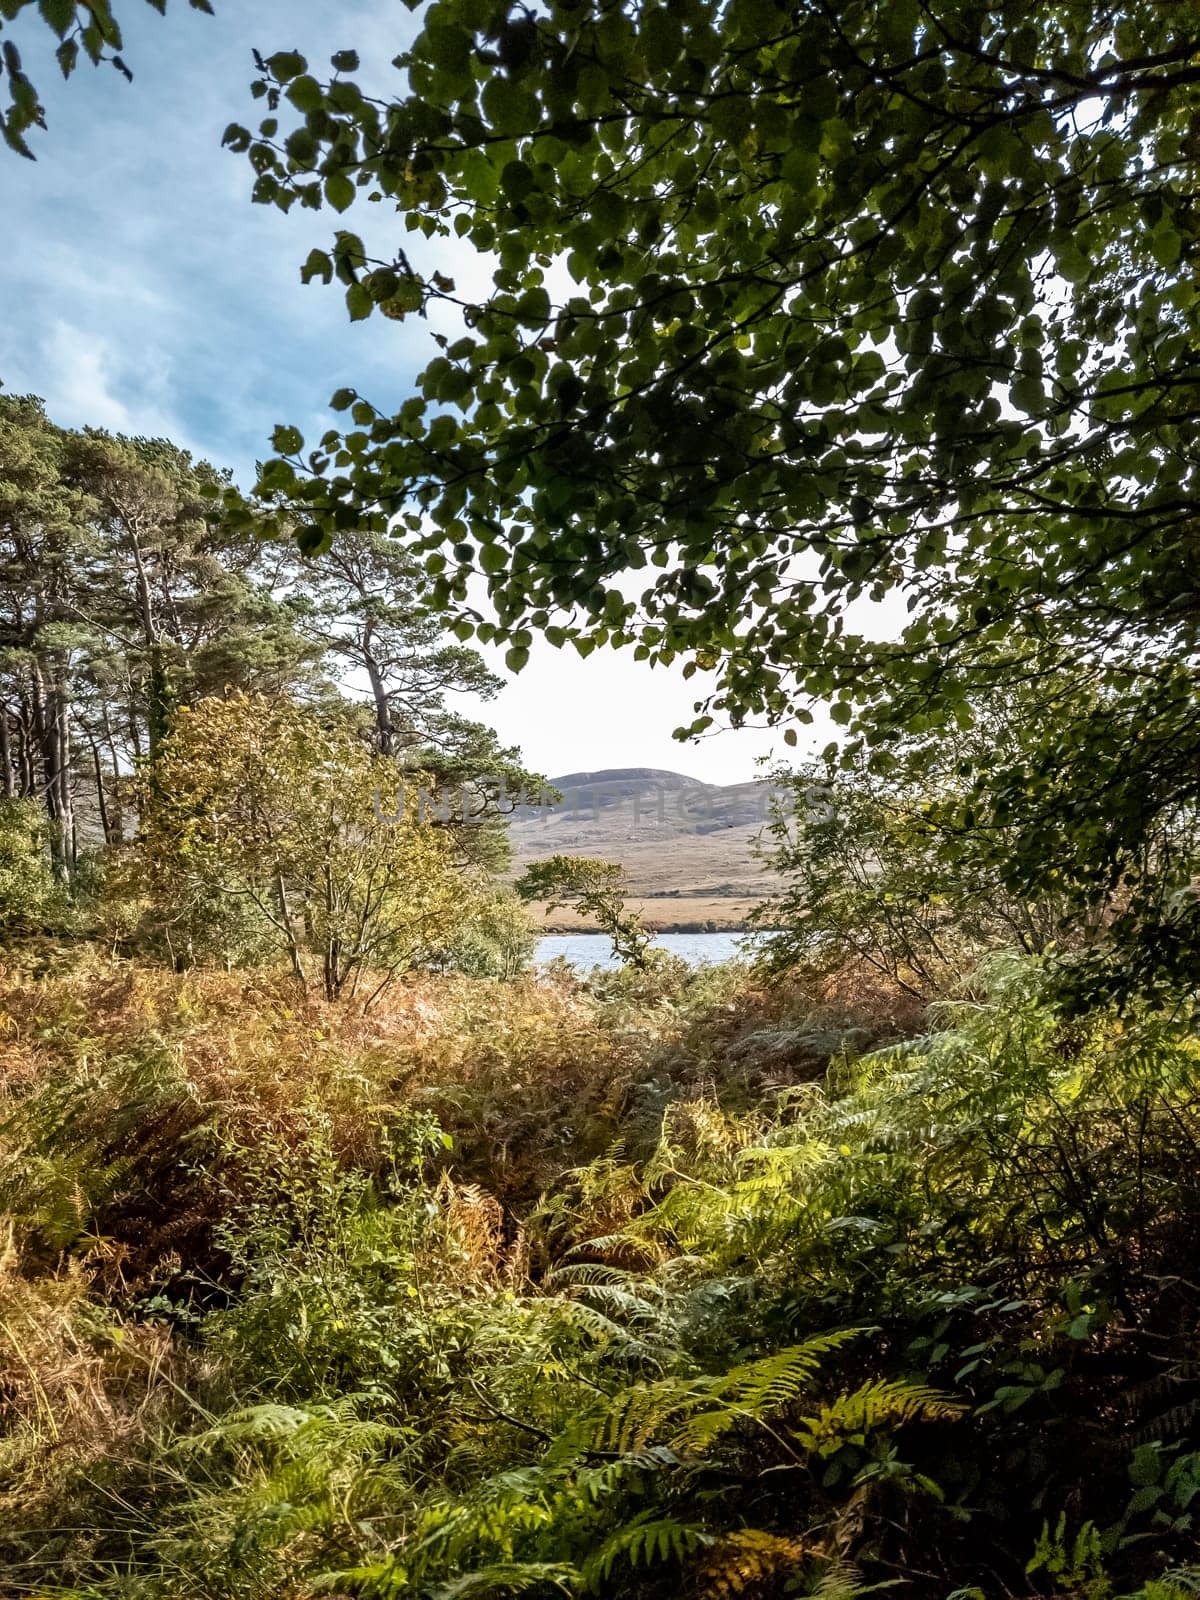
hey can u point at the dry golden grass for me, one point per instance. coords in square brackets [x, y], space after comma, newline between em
[76, 1389]
[708, 866]
[528, 1077]
[666, 914]
[525, 1075]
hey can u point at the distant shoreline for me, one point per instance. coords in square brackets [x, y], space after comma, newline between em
[570, 930]
[701, 921]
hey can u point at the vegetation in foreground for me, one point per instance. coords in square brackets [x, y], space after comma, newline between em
[664, 1282]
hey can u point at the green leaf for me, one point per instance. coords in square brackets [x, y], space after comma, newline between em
[508, 107]
[60, 14]
[799, 170]
[516, 180]
[359, 302]
[339, 191]
[318, 265]
[312, 539]
[480, 180]
[286, 65]
[306, 93]
[287, 440]
[1166, 244]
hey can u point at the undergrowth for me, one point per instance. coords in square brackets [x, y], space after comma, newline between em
[659, 1285]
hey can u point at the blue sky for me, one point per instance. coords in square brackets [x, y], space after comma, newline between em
[141, 291]
[146, 293]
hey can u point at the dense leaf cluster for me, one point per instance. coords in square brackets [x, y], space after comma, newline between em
[794, 309]
[880, 287]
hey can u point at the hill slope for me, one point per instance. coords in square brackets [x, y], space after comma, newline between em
[687, 846]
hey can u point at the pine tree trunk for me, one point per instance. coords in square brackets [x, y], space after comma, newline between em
[101, 802]
[6, 759]
[157, 688]
[66, 795]
[383, 710]
[26, 751]
[45, 721]
[118, 809]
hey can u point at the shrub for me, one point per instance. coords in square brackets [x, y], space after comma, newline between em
[775, 1330]
[29, 892]
[497, 941]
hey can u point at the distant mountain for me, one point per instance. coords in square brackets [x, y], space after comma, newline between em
[640, 798]
[687, 846]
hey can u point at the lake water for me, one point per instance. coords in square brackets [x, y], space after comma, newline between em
[587, 951]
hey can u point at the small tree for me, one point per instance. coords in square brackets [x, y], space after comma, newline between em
[899, 870]
[498, 941]
[29, 891]
[259, 802]
[595, 889]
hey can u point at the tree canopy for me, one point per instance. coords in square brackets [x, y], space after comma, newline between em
[122, 599]
[892, 871]
[256, 800]
[794, 309]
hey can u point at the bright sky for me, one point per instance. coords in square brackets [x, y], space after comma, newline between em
[141, 291]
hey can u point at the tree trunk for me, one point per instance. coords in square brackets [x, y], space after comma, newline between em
[333, 974]
[26, 750]
[157, 695]
[45, 721]
[118, 818]
[66, 796]
[6, 760]
[101, 802]
[285, 917]
[383, 710]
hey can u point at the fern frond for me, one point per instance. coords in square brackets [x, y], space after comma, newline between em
[620, 1343]
[507, 1577]
[377, 1580]
[619, 1302]
[568, 1274]
[642, 1413]
[887, 1402]
[690, 1413]
[839, 1581]
[745, 1559]
[595, 1484]
[769, 1384]
[268, 1421]
[644, 1543]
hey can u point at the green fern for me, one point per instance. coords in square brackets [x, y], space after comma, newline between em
[645, 1542]
[689, 1413]
[884, 1403]
[766, 1385]
[508, 1577]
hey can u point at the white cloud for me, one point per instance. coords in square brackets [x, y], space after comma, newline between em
[79, 383]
